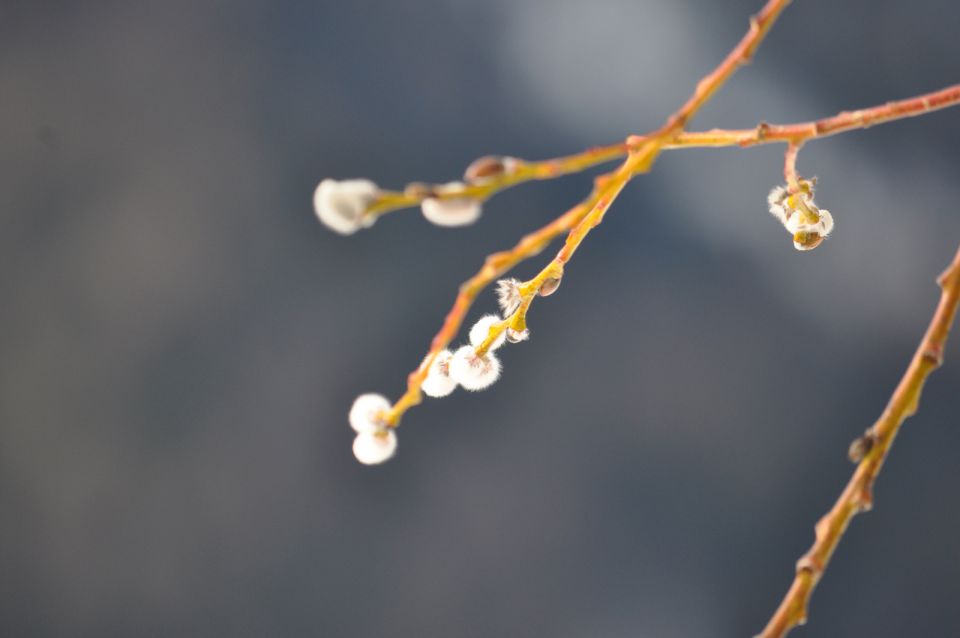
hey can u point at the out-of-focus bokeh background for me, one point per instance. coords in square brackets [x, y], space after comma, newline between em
[180, 339]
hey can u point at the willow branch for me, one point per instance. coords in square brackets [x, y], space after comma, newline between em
[581, 219]
[800, 132]
[764, 133]
[494, 267]
[520, 171]
[740, 55]
[671, 136]
[871, 451]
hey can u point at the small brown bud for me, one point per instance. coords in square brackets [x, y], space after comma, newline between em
[549, 286]
[418, 190]
[860, 447]
[488, 167]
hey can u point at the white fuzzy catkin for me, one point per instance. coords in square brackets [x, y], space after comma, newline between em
[372, 448]
[363, 413]
[457, 211]
[473, 372]
[775, 201]
[451, 212]
[508, 296]
[480, 330]
[796, 221]
[438, 382]
[340, 204]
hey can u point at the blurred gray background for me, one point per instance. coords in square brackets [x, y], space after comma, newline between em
[180, 339]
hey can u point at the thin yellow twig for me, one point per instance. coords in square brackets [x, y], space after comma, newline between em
[494, 266]
[520, 171]
[872, 449]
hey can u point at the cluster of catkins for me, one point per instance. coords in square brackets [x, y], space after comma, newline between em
[376, 441]
[342, 205]
[800, 215]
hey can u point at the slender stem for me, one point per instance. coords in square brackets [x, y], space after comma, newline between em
[796, 187]
[799, 132]
[494, 266]
[873, 448]
[741, 54]
[790, 167]
[520, 172]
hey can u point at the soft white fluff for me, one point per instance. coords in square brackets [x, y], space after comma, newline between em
[776, 196]
[796, 223]
[340, 205]
[516, 336]
[795, 220]
[457, 211]
[775, 200]
[372, 448]
[826, 222]
[364, 413]
[508, 296]
[480, 330]
[473, 372]
[438, 382]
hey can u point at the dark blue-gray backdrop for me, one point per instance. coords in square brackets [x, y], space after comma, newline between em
[180, 340]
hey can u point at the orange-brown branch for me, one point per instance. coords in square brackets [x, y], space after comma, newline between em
[800, 132]
[741, 54]
[872, 449]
